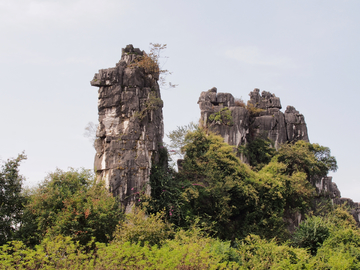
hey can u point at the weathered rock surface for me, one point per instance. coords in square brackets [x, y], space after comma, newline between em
[234, 133]
[264, 119]
[130, 129]
[271, 123]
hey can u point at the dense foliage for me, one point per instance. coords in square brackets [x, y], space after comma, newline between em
[11, 199]
[187, 249]
[229, 199]
[258, 152]
[71, 204]
[313, 159]
[215, 213]
[220, 189]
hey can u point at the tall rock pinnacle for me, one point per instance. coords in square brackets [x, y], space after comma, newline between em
[130, 129]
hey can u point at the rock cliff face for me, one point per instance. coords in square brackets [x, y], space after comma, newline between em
[237, 124]
[130, 129]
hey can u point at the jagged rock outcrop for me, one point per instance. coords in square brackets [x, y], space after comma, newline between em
[130, 129]
[234, 131]
[261, 117]
[269, 122]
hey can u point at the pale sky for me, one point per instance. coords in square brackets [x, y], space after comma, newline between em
[306, 52]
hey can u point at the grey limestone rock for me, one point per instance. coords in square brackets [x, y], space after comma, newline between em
[234, 132]
[295, 125]
[130, 129]
[326, 187]
[268, 121]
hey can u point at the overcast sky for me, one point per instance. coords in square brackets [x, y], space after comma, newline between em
[306, 52]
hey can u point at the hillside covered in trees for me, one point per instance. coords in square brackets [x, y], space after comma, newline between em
[249, 205]
[216, 212]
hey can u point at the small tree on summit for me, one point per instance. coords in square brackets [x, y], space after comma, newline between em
[150, 62]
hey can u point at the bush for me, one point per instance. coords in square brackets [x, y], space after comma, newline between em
[257, 253]
[311, 233]
[220, 190]
[313, 159]
[253, 110]
[72, 204]
[259, 152]
[138, 228]
[239, 102]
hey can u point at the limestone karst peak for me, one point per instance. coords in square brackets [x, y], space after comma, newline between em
[130, 129]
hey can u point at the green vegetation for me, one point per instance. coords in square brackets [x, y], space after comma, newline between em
[151, 104]
[215, 213]
[259, 152]
[134, 248]
[222, 117]
[166, 190]
[70, 204]
[253, 110]
[313, 159]
[150, 63]
[11, 199]
[177, 139]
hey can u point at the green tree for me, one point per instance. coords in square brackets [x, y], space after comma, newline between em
[231, 199]
[311, 233]
[72, 204]
[259, 152]
[313, 159]
[11, 199]
[221, 189]
[166, 190]
[177, 139]
[139, 228]
[281, 196]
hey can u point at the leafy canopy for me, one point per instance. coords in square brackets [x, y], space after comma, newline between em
[220, 187]
[70, 203]
[313, 159]
[258, 152]
[11, 199]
